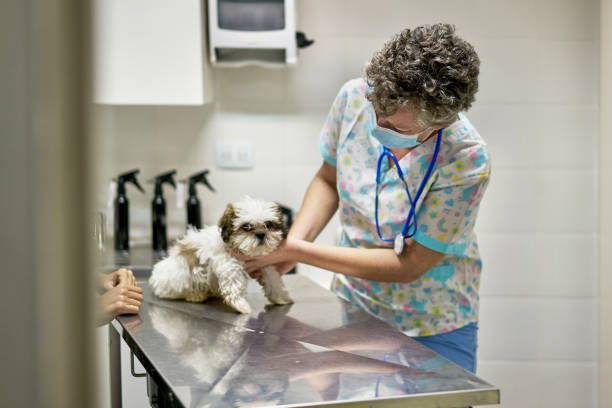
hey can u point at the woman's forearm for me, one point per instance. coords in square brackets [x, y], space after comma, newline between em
[377, 264]
[319, 205]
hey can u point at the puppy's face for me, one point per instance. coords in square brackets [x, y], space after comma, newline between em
[252, 227]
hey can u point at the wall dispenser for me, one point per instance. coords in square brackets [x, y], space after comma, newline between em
[244, 32]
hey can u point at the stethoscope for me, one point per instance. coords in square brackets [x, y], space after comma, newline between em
[399, 239]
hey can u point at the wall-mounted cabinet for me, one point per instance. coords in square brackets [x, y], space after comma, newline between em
[149, 52]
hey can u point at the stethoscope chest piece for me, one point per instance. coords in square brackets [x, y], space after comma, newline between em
[399, 244]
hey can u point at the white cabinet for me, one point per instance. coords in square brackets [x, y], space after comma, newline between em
[149, 52]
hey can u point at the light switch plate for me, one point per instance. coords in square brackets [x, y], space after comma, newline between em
[234, 154]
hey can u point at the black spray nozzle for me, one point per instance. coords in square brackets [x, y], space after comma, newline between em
[160, 179]
[199, 178]
[302, 41]
[128, 177]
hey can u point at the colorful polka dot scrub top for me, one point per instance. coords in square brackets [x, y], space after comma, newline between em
[446, 297]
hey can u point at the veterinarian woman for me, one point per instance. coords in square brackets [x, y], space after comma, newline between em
[407, 171]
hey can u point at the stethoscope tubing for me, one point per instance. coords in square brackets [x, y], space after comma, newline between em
[412, 213]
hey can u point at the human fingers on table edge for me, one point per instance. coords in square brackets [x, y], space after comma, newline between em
[128, 274]
[128, 309]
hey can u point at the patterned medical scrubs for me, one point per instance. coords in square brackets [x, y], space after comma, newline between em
[446, 297]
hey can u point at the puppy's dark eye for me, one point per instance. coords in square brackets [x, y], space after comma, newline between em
[268, 224]
[247, 227]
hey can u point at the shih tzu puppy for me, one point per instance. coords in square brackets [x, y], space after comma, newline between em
[198, 265]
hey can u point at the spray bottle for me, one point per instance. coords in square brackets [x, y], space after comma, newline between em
[122, 210]
[158, 212]
[194, 212]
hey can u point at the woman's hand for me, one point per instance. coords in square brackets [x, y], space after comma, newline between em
[123, 277]
[281, 259]
[118, 300]
[282, 268]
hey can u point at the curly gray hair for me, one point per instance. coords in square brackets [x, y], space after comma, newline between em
[429, 70]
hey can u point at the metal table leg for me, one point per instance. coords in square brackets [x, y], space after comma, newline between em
[114, 348]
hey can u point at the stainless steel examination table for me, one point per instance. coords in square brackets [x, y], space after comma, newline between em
[319, 351]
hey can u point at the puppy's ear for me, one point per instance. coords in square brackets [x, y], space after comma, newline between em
[281, 221]
[226, 223]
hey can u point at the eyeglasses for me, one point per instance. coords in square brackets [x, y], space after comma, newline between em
[390, 126]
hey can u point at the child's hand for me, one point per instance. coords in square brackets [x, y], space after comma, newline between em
[120, 299]
[124, 277]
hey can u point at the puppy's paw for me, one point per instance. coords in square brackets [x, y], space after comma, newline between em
[282, 300]
[196, 297]
[279, 296]
[240, 305]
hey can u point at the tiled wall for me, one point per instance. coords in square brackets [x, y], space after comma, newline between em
[538, 110]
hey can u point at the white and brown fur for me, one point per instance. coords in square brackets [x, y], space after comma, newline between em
[198, 265]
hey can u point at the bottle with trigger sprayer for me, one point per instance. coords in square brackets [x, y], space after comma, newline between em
[158, 212]
[194, 211]
[122, 210]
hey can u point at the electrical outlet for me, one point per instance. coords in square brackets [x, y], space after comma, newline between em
[234, 154]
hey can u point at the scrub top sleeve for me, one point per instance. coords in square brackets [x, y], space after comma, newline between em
[328, 138]
[446, 219]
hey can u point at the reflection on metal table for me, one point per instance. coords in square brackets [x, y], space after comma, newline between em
[319, 351]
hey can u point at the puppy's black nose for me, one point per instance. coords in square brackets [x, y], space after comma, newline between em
[260, 235]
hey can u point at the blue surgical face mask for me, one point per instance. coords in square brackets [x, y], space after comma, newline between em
[392, 139]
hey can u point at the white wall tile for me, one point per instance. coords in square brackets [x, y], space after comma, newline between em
[527, 71]
[319, 276]
[386, 18]
[176, 131]
[566, 137]
[568, 72]
[319, 73]
[560, 201]
[541, 384]
[532, 264]
[329, 236]
[355, 18]
[522, 137]
[264, 182]
[320, 18]
[250, 84]
[359, 52]
[567, 19]
[510, 131]
[500, 19]
[508, 71]
[301, 135]
[131, 125]
[264, 130]
[537, 328]
[297, 180]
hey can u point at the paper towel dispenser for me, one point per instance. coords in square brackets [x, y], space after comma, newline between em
[243, 32]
